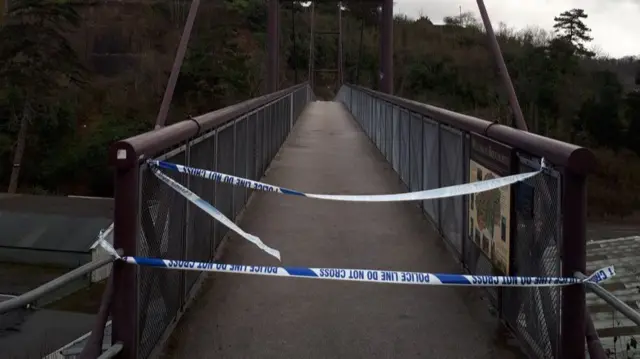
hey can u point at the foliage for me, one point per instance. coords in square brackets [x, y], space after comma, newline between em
[571, 27]
[565, 91]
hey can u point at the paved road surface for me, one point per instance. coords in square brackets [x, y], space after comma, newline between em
[241, 316]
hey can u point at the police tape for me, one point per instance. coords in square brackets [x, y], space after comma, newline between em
[374, 275]
[213, 212]
[444, 192]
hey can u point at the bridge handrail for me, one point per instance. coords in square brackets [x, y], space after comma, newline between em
[245, 138]
[149, 144]
[611, 299]
[578, 160]
[553, 233]
[33, 295]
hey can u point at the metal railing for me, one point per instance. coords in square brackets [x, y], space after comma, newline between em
[16, 308]
[151, 219]
[430, 147]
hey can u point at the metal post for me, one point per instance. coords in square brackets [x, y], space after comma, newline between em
[386, 47]
[177, 65]
[574, 259]
[293, 35]
[312, 46]
[272, 46]
[594, 346]
[502, 67]
[125, 312]
[340, 74]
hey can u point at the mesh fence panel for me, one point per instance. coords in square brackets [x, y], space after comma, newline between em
[415, 158]
[396, 139]
[267, 138]
[378, 123]
[252, 172]
[388, 131]
[431, 162]
[451, 173]
[367, 113]
[162, 235]
[534, 312]
[383, 127]
[240, 167]
[172, 228]
[273, 131]
[200, 241]
[259, 142]
[442, 155]
[405, 130]
[224, 192]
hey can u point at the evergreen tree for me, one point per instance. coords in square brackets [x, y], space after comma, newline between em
[570, 26]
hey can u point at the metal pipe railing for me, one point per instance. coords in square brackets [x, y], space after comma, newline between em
[31, 296]
[612, 300]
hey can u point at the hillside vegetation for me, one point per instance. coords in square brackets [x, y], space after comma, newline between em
[76, 77]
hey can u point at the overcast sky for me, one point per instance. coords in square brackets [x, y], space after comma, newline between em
[615, 24]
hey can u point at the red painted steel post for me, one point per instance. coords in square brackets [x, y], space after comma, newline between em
[125, 311]
[574, 259]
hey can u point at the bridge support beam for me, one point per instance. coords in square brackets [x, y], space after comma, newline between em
[386, 47]
[272, 45]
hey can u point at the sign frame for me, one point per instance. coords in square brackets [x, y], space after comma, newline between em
[490, 159]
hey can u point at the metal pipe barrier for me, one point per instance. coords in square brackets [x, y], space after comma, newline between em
[26, 299]
[15, 309]
[151, 220]
[543, 231]
[612, 300]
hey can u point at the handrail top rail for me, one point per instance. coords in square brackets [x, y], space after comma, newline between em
[128, 152]
[577, 159]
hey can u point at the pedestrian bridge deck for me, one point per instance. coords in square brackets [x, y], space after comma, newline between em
[239, 316]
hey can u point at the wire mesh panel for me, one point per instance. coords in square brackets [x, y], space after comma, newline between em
[378, 123]
[534, 312]
[251, 165]
[395, 121]
[367, 117]
[259, 140]
[224, 191]
[266, 141]
[415, 158]
[431, 165]
[405, 125]
[383, 127]
[428, 155]
[200, 242]
[162, 235]
[388, 131]
[240, 167]
[451, 173]
[278, 125]
[271, 134]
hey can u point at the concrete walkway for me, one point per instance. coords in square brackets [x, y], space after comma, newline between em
[240, 316]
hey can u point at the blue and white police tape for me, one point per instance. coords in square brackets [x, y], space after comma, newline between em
[213, 212]
[373, 275]
[444, 192]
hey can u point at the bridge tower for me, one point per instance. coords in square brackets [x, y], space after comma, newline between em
[386, 46]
